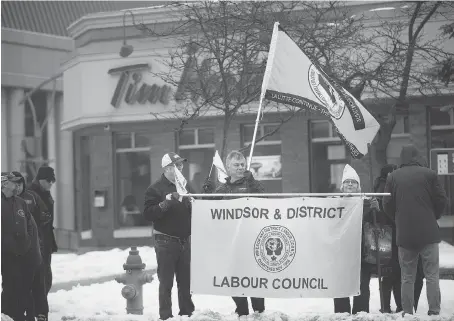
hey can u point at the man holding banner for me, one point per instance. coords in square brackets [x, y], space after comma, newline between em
[239, 181]
[171, 217]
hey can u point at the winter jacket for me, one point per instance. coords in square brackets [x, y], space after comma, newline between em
[19, 232]
[48, 237]
[242, 185]
[173, 221]
[39, 212]
[417, 200]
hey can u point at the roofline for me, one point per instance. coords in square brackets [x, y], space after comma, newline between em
[110, 19]
[152, 15]
[36, 39]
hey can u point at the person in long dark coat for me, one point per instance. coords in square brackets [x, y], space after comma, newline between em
[392, 280]
[21, 255]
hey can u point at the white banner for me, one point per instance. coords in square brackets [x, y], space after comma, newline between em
[277, 248]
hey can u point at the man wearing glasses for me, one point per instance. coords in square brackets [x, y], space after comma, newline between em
[41, 185]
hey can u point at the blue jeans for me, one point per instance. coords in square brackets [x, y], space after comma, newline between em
[431, 266]
[173, 256]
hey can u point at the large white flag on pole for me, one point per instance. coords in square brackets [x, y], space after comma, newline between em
[292, 78]
[221, 171]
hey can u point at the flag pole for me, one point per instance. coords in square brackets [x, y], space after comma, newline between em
[376, 231]
[269, 64]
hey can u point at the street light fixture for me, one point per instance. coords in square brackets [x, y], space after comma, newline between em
[126, 49]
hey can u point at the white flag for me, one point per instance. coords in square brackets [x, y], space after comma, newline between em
[292, 78]
[180, 182]
[222, 173]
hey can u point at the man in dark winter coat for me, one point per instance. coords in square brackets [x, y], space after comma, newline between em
[21, 254]
[391, 279]
[41, 185]
[351, 184]
[239, 181]
[417, 200]
[38, 305]
[172, 235]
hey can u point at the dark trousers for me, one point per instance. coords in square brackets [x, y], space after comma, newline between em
[392, 283]
[38, 303]
[47, 269]
[242, 305]
[17, 280]
[174, 260]
[361, 301]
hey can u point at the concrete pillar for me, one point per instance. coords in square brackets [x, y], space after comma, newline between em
[4, 130]
[52, 154]
[65, 165]
[17, 130]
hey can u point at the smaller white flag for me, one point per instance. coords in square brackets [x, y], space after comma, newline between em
[180, 182]
[222, 173]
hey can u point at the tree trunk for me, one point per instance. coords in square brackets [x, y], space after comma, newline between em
[225, 133]
[378, 154]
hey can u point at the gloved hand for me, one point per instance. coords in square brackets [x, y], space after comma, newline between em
[170, 199]
[374, 204]
[248, 175]
[173, 195]
[208, 186]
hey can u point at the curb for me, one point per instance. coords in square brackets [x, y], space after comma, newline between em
[66, 286]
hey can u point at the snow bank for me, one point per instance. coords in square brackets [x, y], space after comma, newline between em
[71, 267]
[104, 302]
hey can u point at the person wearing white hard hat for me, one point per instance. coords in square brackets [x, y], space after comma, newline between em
[351, 184]
[172, 236]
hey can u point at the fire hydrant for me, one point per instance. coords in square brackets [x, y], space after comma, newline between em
[134, 279]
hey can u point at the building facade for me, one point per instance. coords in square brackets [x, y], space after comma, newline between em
[106, 146]
[119, 139]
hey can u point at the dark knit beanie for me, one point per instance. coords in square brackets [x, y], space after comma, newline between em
[47, 173]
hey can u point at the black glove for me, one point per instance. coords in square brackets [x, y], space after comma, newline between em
[175, 196]
[208, 186]
[248, 176]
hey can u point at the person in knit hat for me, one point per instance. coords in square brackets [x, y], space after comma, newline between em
[41, 185]
[351, 184]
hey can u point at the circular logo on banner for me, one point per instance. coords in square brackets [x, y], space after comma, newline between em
[274, 248]
[21, 213]
[327, 95]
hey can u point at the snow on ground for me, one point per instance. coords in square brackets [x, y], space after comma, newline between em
[446, 255]
[71, 267]
[104, 302]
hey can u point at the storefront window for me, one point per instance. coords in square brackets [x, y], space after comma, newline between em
[266, 164]
[133, 177]
[328, 157]
[197, 146]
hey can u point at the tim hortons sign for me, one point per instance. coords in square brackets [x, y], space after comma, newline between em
[133, 90]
